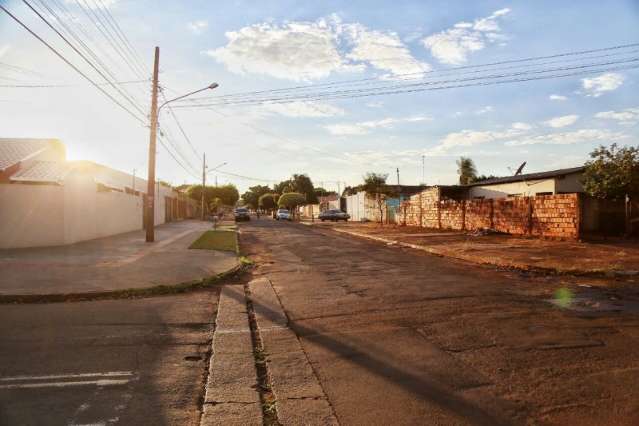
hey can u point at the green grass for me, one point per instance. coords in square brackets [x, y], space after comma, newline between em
[216, 240]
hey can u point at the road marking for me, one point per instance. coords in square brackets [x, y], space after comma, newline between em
[110, 378]
[100, 383]
[67, 376]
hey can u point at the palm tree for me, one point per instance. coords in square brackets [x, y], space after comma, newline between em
[466, 170]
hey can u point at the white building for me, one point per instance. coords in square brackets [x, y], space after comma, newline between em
[47, 201]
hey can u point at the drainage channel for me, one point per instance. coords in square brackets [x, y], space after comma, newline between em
[267, 397]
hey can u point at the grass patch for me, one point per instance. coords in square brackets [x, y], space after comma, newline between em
[216, 240]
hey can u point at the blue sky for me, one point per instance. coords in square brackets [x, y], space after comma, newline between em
[247, 46]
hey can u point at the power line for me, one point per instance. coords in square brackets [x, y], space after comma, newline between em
[122, 93]
[62, 85]
[450, 70]
[23, 25]
[437, 85]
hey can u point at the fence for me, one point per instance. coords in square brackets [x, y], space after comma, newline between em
[555, 216]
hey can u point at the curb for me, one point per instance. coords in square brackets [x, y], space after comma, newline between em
[128, 293]
[519, 267]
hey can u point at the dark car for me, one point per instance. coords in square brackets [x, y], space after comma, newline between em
[334, 215]
[241, 214]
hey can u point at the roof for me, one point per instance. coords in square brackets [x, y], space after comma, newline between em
[43, 171]
[14, 150]
[529, 176]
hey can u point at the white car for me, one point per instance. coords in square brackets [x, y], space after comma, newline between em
[283, 214]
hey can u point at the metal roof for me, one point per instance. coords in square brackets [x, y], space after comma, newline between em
[43, 171]
[13, 151]
[529, 176]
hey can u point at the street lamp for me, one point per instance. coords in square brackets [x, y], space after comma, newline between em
[209, 87]
[155, 111]
[217, 167]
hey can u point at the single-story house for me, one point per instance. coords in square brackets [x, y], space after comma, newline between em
[562, 181]
[47, 201]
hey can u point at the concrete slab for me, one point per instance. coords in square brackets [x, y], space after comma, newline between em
[113, 263]
[300, 398]
[232, 395]
[231, 414]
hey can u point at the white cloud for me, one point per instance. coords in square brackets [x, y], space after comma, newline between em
[569, 138]
[365, 127]
[197, 27]
[304, 109]
[4, 49]
[626, 116]
[557, 98]
[382, 50]
[452, 46]
[313, 50]
[484, 110]
[597, 86]
[521, 126]
[563, 121]
[375, 104]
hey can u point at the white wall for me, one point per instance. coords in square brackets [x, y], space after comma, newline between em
[359, 207]
[527, 188]
[31, 215]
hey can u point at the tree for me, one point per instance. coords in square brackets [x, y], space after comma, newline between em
[227, 194]
[377, 190]
[252, 196]
[291, 200]
[321, 192]
[466, 170]
[482, 178]
[267, 201]
[299, 183]
[613, 172]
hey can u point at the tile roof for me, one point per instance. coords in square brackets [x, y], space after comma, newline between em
[44, 171]
[529, 176]
[13, 151]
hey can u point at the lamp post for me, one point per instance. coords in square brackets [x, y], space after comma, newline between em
[155, 111]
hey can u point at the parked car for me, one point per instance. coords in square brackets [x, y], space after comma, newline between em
[241, 214]
[283, 214]
[334, 215]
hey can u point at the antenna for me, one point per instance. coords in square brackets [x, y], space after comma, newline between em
[519, 170]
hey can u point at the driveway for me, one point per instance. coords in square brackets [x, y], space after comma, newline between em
[113, 263]
[401, 337]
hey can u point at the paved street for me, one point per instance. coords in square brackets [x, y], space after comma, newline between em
[129, 362]
[401, 337]
[113, 263]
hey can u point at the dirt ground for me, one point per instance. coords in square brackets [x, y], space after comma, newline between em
[587, 257]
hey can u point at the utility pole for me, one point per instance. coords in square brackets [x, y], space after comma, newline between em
[216, 181]
[133, 181]
[150, 198]
[203, 180]
[423, 169]
[398, 176]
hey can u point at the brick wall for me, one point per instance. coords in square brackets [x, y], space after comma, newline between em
[554, 216]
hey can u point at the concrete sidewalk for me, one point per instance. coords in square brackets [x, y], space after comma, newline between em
[119, 262]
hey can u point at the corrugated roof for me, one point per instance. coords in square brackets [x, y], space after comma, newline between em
[43, 171]
[13, 150]
[529, 176]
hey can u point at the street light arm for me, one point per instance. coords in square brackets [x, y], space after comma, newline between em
[216, 167]
[209, 87]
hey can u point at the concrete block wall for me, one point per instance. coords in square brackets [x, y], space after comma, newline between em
[553, 216]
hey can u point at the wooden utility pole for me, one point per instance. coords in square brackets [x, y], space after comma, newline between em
[150, 192]
[203, 180]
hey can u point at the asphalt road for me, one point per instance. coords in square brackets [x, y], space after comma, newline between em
[400, 337]
[129, 362]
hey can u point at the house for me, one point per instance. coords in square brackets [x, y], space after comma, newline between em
[563, 181]
[362, 207]
[46, 200]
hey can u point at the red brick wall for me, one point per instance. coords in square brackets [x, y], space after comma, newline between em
[555, 216]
